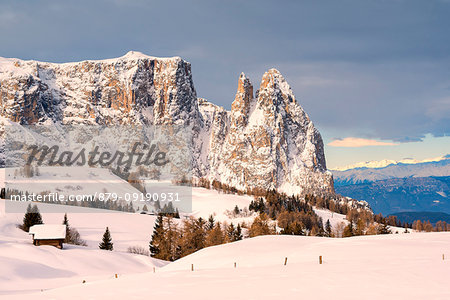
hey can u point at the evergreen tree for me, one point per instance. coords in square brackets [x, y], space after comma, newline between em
[211, 223]
[236, 210]
[230, 232]
[320, 230]
[238, 233]
[66, 222]
[328, 230]
[157, 236]
[72, 235]
[32, 217]
[157, 206]
[106, 243]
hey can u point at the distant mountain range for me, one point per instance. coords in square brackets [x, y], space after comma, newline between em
[402, 194]
[433, 217]
[394, 170]
[399, 187]
[386, 162]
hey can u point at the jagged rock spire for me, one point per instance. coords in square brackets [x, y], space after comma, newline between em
[241, 105]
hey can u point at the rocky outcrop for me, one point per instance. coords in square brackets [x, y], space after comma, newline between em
[271, 142]
[132, 89]
[265, 141]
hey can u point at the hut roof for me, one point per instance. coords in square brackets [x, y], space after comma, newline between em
[48, 231]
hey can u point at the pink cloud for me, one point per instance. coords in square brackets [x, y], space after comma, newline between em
[358, 142]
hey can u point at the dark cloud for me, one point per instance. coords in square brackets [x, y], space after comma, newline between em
[374, 69]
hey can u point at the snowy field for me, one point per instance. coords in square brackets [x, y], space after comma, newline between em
[398, 266]
[369, 267]
[26, 268]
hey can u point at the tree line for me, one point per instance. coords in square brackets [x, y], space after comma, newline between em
[171, 241]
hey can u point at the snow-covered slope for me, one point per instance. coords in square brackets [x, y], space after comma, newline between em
[265, 141]
[26, 268]
[406, 266]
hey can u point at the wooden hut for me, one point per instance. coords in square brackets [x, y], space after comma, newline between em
[48, 234]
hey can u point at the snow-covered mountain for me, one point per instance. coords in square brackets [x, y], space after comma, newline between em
[366, 174]
[399, 186]
[375, 164]
[265, 141]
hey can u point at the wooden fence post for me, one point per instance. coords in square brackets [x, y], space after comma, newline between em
[192, 267]
[235, 265]
[320, 259]
[285, 261]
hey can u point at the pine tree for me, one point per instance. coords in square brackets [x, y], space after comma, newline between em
[157, 206]
[211, 223]
[236, 210]
[230, 232]
[165, 242]
[238, 233]
[66, 222]
[157, 236]
[106, 243]
[32, 217]
[320, 230]
[328, 229]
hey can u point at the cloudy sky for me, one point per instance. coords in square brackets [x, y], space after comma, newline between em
[374, 76]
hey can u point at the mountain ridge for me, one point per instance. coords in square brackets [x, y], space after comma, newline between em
[400, 170]
[377, 164]
[265, 141]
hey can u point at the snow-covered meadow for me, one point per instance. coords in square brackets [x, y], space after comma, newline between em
[391, 266]
[401, 266]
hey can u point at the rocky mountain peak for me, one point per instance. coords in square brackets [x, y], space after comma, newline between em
[274, 89]
[241, 105]
[266, 140]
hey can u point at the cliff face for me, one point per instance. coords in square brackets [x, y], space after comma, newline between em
[132, 89]
[265, 141]
[270, 141]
